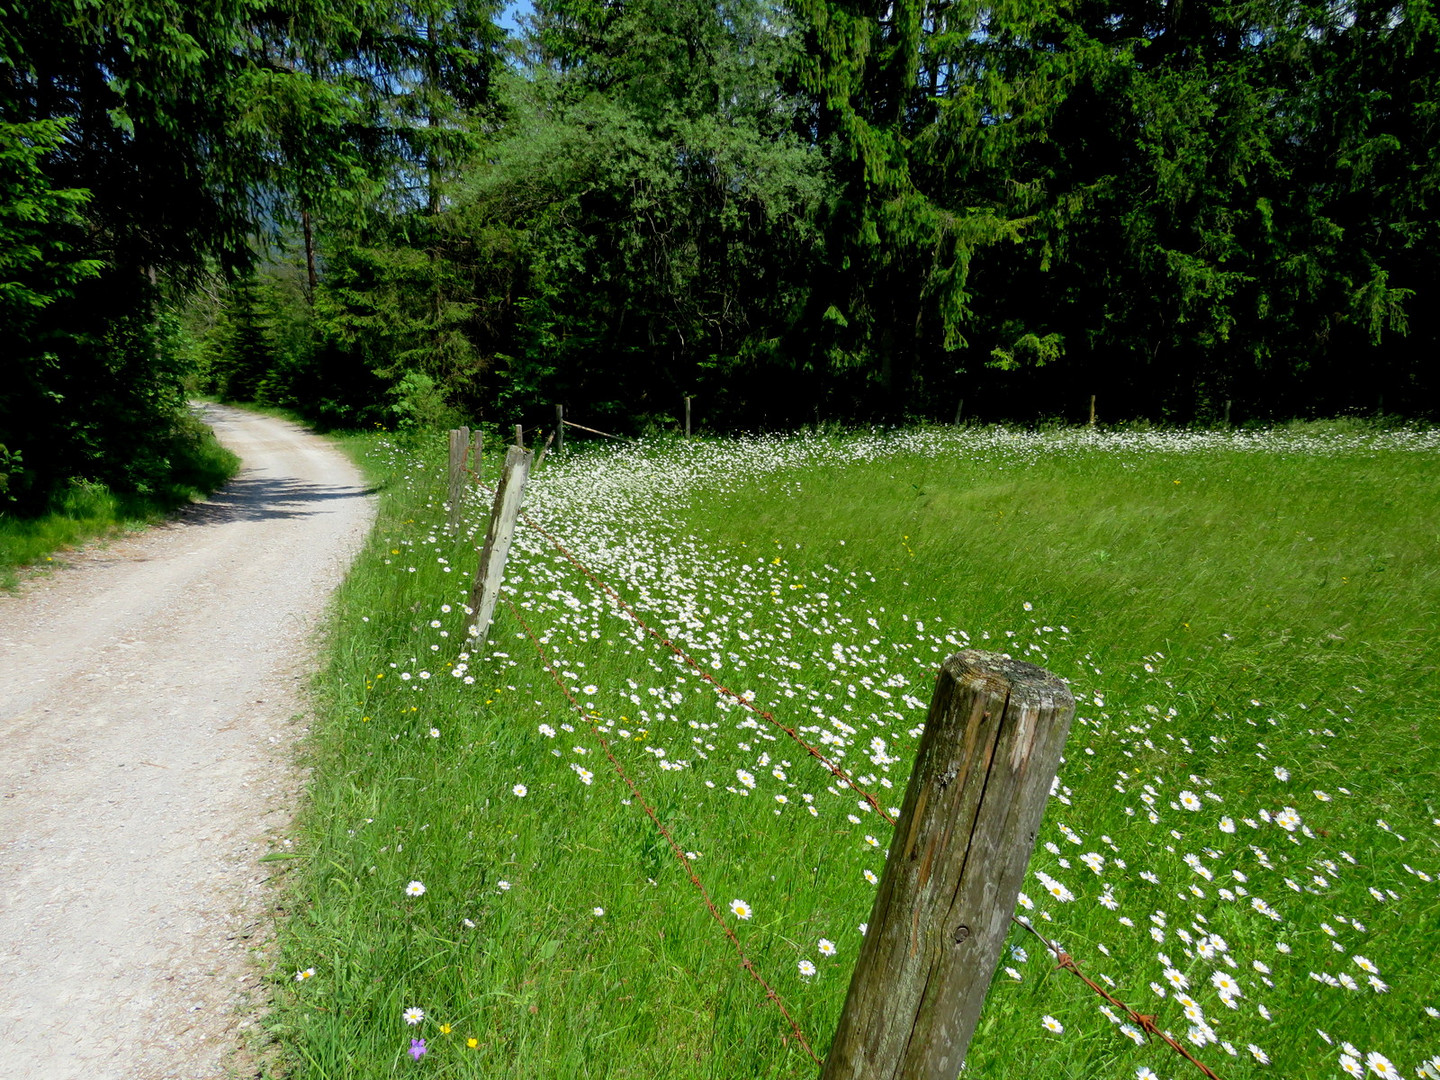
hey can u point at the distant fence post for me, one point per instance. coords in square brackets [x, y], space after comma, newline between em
[992, 742]
[508, 496]
[459, 449]
[1092, 410]
[687, 416]
[559, 428]
[479, 461]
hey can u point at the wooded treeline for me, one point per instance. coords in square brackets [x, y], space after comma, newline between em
[391, 212]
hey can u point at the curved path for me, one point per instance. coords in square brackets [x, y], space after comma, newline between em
[150, 698]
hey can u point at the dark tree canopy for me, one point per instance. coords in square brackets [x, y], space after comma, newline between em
[394, 212]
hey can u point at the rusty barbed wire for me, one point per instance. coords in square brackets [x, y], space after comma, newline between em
[769, 717]
[1145, 1021]
[679, 852]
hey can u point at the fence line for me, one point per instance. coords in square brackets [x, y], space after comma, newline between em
[678, 851]
[769, 717]
[764, 714]
[1145, 1022]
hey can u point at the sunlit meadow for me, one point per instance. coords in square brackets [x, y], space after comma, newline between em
[1244, 839]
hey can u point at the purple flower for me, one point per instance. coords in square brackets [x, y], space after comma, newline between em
[417, 1048]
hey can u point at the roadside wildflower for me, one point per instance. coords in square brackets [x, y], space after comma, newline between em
[417, 1048]
[415, 888]
[520, 790]
[1051, 1024]
[740, 909]
[413, 1016]
[806, 968]
[827, 948]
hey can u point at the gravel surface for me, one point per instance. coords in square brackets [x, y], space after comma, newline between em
[151, 695]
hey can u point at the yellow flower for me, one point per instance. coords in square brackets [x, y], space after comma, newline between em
[472, 1043]
[444, 1029]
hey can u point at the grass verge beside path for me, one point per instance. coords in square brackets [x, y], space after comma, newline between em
[1244, 839]
[88, 511]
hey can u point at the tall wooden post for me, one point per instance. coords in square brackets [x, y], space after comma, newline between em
[508, 496]
[559, 428]
[1092, 410]
[959, 410]
[991, 746]
[479, 460]
[687, 416]
[520, 436]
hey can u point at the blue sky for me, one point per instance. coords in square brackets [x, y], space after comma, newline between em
[509, 18]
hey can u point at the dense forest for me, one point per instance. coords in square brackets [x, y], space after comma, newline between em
[401, 213]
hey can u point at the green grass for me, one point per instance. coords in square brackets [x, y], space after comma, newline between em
[87, 510]
[1246, 622]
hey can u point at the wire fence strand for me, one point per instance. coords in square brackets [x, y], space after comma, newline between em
[1145, 1022]
[679, 852]
[769, 717]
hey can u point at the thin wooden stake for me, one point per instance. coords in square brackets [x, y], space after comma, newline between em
[559, 428]
[508, 497]
[479, 459]
[959, 410]
[1092, 410]
[545, 449]
[992, 742]
[520, 436]
[687, 416]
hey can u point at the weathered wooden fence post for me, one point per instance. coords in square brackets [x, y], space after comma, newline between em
[1092, 410]
[687, 416]
[992, 742]
[540, 455]
[508, 496]
[459, 449]
[479, 461]
[559, 428]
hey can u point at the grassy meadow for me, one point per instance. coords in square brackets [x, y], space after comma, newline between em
[1244, 839]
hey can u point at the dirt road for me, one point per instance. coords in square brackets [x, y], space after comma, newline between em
[150, 700]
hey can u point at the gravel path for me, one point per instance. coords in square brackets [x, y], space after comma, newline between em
[150, 697]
